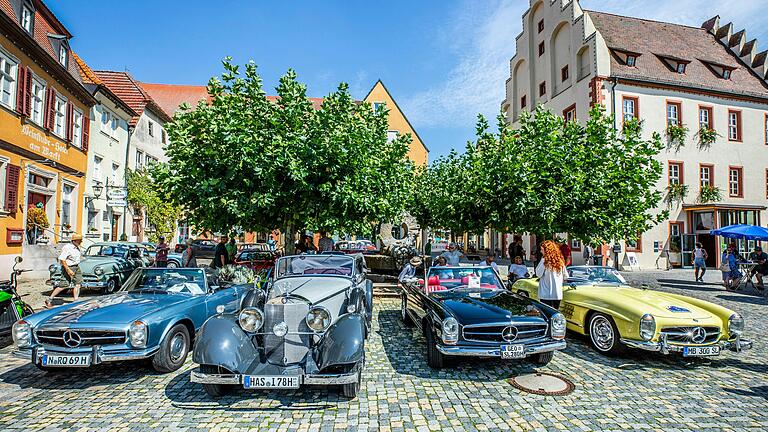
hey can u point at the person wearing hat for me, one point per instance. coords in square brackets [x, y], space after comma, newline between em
[70, 269]
[409, 271]
[188, 258]
[161, 253]
[453, 255]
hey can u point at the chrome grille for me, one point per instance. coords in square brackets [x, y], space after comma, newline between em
[493, 333]
[293, 347]
[88, 337]
[684, 335]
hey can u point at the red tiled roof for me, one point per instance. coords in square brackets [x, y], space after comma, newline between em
[171, 96]
[652, 39]
[130, 92]
[87, 75]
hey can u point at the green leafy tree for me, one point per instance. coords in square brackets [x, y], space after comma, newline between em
[248, 161]
[549, 176]
[146, 197]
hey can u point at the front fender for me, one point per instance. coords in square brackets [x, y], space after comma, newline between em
[343, 343]
[221, 342]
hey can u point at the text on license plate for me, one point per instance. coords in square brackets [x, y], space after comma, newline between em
[512, 351]
[701, 351]
[250, 381]
[66, 360]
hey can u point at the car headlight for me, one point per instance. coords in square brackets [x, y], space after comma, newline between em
[450, 330]
[735, 325]
[250, 319]
[318, 319]
[558, 326]
[137, 333]
[22, 334]
[647, 327]
[98, 271]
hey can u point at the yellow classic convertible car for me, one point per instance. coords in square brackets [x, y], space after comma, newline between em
[599, 303]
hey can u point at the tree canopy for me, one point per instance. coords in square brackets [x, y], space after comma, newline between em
[247, 160]
[549, 176]
[145, 196]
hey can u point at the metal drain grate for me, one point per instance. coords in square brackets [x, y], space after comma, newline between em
[542, 383]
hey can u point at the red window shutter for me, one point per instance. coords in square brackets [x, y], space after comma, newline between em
[21, 85]
[12, 188]
[50, 108]
[86, 131]
[28, 94]
[70, 109]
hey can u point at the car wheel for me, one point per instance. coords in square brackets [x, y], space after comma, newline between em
[173, 350]
[542, 359]
[603, 334]
[111, 286]
[215, 390]
[435, 359]
[404, 312]
[352, 389]
[172, 264]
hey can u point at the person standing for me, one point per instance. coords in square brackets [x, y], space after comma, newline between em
[70, 258]
[565, 251]
[220, 255]
[325, 244]
[231, 250]
[516, 249]
[428, 248]
[452, 255]
[161, 253]
[699, 262]
[188, 258]
[550, 272]
[587, 254]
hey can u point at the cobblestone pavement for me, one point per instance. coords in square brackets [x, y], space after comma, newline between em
[639, 391]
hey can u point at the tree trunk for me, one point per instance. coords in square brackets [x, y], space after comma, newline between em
[288, 242]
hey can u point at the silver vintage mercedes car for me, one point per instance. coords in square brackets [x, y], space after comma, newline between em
[309, 327]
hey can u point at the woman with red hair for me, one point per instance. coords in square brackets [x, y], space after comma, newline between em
[550, 272]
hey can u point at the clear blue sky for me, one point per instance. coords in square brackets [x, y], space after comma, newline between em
[444, 61]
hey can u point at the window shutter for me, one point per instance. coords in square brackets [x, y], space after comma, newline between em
[50, 108]
[70, 112]
[28, 94]
[21, 85]
[85, 132]
[12, 188]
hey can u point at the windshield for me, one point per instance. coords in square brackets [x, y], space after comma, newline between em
[254, 255]
[189, 281]
[594, 275]
[314, 265]
[106, 250]
[448, 278]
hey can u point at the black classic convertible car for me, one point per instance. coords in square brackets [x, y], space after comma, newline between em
[466, 311]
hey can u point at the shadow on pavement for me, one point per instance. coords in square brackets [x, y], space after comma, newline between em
[690, 285]
[760, 391]
[29, 376]
[744, 299]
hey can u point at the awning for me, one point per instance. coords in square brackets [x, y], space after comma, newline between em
[722, 206]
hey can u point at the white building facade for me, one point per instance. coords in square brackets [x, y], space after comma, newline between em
[706, 78]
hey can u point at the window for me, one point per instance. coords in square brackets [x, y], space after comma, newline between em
[162, 136]
[151, 128]
[634, 245]
[139, 159]
[564, 73]
[735, 188]
[541, 49]
[705, 175]
[37, 101]
[726, 74]
[569, 114]
[377, 106]
[60, 124]
[26, 19]
[63, 54]
[151, 160]
[766, 129]
[3, 181]
[66, 206]
[7, 80]
[631, 60]
[705, 117]
[673, 114]
[681, 68]
[734, 125]
[115, 170]
[543, 88]
[575, 245]
[97, 168]
[541, 26]
[392, 135]
[630, 108]
[583, 62]
[77, 128]
[93, 219]
[675, 175]
[523, 102]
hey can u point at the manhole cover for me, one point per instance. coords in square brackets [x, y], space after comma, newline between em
[542, 383]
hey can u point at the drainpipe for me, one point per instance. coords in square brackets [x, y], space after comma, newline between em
[613, 102]
[125, 178]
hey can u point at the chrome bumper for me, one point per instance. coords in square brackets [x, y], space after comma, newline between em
[237, 379]
[664, 347]
[98, 354]
[469, 351]
[62, 283]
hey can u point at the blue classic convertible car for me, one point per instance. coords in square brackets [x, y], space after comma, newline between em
[155, 315]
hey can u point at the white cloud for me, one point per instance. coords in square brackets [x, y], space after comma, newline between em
[483, 38]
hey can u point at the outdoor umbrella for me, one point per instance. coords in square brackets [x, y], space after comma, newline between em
[741, 231]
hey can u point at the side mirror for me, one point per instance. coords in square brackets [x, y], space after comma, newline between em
[18, 259]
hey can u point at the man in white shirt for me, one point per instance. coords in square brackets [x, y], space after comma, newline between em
[70, 269]
[452, 255]
[517, 270]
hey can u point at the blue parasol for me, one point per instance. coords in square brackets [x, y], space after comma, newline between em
[741, 231]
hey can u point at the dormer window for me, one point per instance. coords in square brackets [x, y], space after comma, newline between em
[721, 70]
[26, 19]
[63, 55]
[631, 60]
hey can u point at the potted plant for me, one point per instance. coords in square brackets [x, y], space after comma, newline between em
[37, 222]
[676, 134]
[709, 194]
[676, 193]
[705, 137]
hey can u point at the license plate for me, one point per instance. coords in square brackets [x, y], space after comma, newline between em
[701, 351]
[512, 351]
[266, 381]
[66, 360]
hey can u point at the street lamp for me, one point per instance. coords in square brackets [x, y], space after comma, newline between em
[97, 189]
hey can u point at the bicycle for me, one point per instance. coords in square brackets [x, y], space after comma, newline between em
[12, 307]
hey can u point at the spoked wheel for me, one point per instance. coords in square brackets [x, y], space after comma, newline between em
[604, 335]
[404, 312]
[352, 389]
[173, 350]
